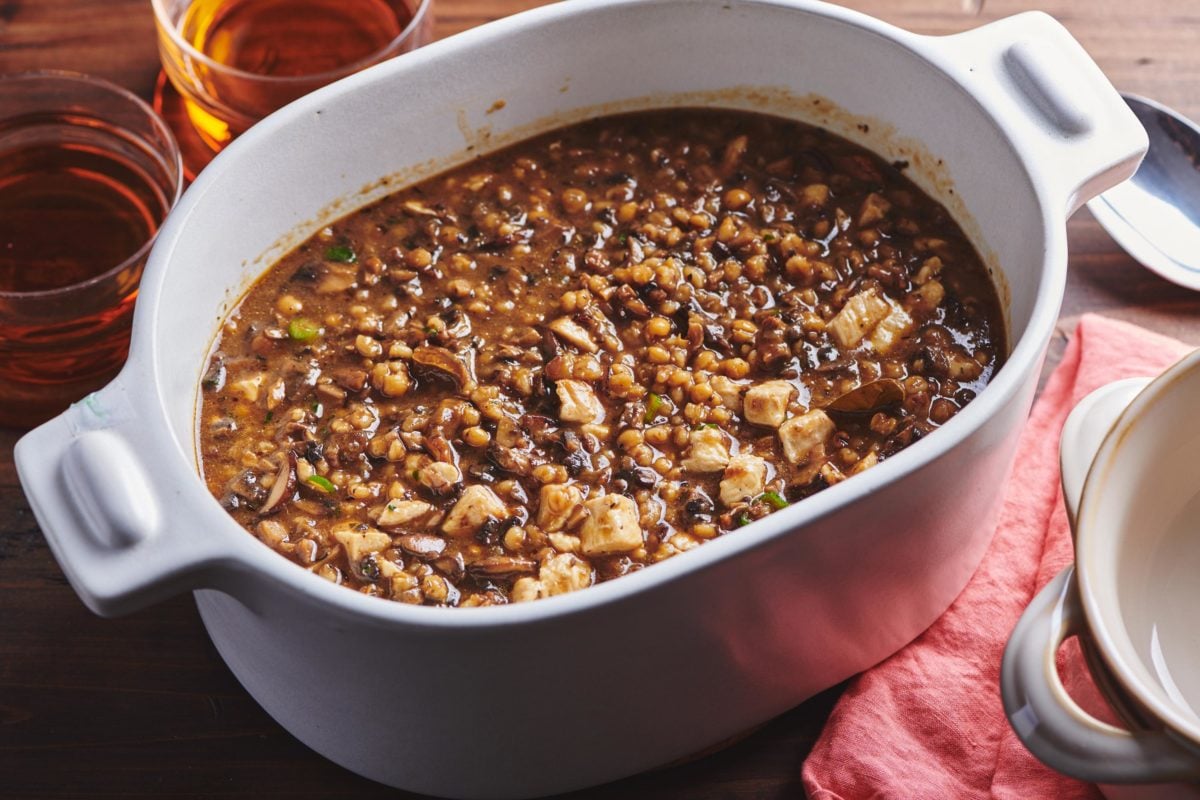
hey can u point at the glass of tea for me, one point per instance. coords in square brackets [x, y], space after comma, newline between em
[233, 62]
[88, 172]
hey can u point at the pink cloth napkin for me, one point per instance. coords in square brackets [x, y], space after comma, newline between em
[928, 722]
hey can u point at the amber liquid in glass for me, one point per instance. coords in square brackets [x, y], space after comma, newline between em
[70, 213]
[283, 39]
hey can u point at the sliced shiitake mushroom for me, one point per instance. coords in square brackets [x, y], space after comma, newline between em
[353, 380]
[417, 208]
[284, 486]
[458, 367]
[421, 545]
[869, 397]
[502, 567]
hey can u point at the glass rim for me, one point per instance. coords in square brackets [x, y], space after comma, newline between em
[167, 25]
[173, 157]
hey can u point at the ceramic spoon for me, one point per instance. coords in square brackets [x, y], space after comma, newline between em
[1155, 215]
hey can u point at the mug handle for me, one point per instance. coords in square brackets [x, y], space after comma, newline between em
[1060, 111]
[1046, 719]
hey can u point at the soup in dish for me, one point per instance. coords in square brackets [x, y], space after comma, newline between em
[588, 352]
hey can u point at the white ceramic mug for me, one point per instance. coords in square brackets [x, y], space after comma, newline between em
[1132, 489]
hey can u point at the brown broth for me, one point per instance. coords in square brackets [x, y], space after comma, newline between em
[666, 317]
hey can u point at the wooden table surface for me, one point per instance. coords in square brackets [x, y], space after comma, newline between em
[142, 707]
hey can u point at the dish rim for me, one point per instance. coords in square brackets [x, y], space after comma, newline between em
[1009, 380]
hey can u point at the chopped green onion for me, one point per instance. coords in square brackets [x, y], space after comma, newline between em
[270, 416]
[743, 520]
[652, 406]
[416, 474]
[775, 499]
[341, 254]
[303, 330]
[324, 484]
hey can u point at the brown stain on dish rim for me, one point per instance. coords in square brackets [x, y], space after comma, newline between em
[919, 165]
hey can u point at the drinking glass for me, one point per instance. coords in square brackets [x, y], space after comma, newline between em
[88, 172]
[233, 62]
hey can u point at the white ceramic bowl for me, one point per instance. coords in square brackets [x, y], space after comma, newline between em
[1012, 126]
[1130, 482]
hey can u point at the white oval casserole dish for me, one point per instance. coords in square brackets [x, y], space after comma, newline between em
[584, 688]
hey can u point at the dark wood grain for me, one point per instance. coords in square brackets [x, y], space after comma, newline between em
[142, 707]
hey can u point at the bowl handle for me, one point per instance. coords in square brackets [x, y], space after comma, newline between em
[1086, 429]
[1053, 726]
[1047, 720]
[113, 523]
[1066, 120]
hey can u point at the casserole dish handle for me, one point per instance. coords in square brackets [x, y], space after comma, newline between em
[1046, 719]
[1065, 119]
[110, 519]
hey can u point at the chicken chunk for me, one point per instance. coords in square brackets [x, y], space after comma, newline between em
[526, 589]
[730, 392]
[611, 527]
[558, 575]
[277, 394]
[565, 573]
[565, 542]
[578, 403]
[404, 512]
[859, 317]
[802, 435]
[249, 388]
[556, 503]
[708, 451]
[964, 368]
[477, 505]
[359, 544]
[389, 570]
[745, 478]
[439, 477]
[572, 332]
[890, 330]
[767, 403]
[272, 532]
